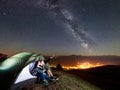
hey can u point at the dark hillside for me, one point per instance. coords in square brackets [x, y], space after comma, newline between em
[105, 77]
[66, 82]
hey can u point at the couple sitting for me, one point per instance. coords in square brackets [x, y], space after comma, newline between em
[41, 69]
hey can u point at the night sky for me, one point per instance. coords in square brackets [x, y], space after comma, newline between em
[60, 27]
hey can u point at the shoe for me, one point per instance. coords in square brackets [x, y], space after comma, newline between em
[45, 83]
[54, 79]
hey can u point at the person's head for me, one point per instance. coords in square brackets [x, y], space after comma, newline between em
[41, 58]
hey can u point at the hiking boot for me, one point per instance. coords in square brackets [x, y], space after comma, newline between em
[54, 79]
[45, 83]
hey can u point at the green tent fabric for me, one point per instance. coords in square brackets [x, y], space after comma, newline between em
[11, 67]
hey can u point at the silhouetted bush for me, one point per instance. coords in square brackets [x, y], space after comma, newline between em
[59, 67]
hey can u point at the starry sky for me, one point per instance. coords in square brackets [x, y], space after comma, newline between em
[60, 27]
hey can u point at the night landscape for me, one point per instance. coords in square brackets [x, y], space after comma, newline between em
[82, 35]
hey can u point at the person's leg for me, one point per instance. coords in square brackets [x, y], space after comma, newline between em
[43, 78]
[49, 76]
[46, 77]
[37, 79]
[51, 79]
[41, 75]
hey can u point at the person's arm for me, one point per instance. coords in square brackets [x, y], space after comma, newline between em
[49, 73]
[47, 60]
[48, 70]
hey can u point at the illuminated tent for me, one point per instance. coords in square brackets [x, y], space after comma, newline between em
[10, 68]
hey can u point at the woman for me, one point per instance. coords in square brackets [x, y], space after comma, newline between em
[43, 71]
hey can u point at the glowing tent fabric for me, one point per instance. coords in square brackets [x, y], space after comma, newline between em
[11, 67]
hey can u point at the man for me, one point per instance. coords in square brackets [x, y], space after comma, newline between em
[42, 70]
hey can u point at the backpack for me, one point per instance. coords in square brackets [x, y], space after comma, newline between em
[32, 69]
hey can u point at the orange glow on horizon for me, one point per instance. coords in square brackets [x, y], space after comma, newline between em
[84, 65]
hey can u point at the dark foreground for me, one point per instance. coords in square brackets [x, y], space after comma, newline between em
[66, 82]
[105, 77]
[100, 78]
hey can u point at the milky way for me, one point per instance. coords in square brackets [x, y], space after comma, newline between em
[61, 12]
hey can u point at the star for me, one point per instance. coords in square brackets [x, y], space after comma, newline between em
[4, 13]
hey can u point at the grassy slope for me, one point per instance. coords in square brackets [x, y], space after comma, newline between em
[66, 82]
[105, 77]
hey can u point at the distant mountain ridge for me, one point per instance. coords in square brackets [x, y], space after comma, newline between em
[74, 59]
